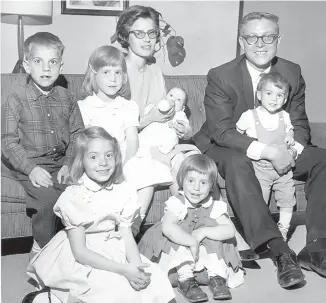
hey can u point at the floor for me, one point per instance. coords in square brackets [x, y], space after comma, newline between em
[260, 283]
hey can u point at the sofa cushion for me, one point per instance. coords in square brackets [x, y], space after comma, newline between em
[11, 189]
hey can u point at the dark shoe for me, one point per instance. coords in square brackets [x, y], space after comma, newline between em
[288, 270]
[248, 255]
[315, 261]
[218, 287]
[29, 298]
[201, 277]
[191, 291]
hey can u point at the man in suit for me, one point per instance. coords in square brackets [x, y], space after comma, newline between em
[230, 91]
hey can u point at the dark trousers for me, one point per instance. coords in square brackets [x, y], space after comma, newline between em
[245, 195]
[39, 205]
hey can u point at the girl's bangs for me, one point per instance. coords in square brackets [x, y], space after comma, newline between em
[109, 61]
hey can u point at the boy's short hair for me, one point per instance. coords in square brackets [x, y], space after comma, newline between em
[277, 80]
[201, 164]
[258, 16]
[44, 39]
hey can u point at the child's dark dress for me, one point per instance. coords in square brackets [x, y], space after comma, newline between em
[155, 246]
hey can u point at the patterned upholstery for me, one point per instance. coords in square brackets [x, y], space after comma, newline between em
[15, 223]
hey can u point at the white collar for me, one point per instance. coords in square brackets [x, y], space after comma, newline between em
[254, 73]
[98, 102]
[92, 185]
[189, 205]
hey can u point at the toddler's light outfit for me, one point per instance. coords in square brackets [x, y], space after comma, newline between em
[218, 257]
[163, 136]
[251, 122]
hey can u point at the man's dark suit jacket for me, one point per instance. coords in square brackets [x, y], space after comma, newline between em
[229, 93]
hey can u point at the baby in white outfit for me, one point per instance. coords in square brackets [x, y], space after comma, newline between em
[163, 135]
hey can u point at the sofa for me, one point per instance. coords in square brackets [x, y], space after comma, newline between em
[14, 221]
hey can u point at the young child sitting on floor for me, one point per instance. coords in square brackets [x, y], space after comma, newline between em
[95, 258]
[196, 233]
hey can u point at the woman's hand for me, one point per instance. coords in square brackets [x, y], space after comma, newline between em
[156, 116]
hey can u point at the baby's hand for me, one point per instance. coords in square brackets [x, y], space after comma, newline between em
[289, 141]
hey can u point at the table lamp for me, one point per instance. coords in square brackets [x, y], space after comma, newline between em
[37, 12]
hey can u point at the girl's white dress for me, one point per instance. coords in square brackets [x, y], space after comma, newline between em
[96, 209]
[115, 117]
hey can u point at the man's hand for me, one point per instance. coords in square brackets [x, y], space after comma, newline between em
[289, 141]
[63, 174]
[279, 156]
[40, 177]
[182, 129]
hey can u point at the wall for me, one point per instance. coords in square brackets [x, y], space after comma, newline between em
[208, 28]
[303, 30]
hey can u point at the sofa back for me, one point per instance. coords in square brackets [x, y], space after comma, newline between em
[193, 85]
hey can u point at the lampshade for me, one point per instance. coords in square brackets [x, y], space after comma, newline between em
[37, 12]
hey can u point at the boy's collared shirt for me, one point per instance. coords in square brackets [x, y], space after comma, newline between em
[37, 129]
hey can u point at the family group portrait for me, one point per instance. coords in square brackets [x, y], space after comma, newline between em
[163, 151]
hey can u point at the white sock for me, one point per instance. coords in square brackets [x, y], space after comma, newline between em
[185, 272]
[285, 218]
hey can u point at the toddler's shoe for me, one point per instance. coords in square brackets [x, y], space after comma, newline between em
[218, 287]
[284, 231]
[191, 291]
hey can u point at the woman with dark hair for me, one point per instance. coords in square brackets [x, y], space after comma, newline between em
[138, 31]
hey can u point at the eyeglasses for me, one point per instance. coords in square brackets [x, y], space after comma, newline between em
[152, 34]
[268, 39]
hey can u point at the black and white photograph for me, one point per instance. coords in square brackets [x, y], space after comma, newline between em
[163, 151]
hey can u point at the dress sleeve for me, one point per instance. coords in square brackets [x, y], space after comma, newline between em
[219, 208]
[84, 112]
[130, 209]
[131, 114]
[175, 206]
[72, 207]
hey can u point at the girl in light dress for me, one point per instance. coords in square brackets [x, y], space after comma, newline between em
[196, 233]
[108, 105]
[95, 258]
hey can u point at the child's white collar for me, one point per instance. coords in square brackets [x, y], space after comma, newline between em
[189, 205]
[92, 185]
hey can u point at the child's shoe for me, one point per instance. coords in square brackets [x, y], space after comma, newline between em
[191, 290]
[218, 287]
[284, 231]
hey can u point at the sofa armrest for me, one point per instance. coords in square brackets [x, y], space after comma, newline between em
[11, 190]
[318, 134]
